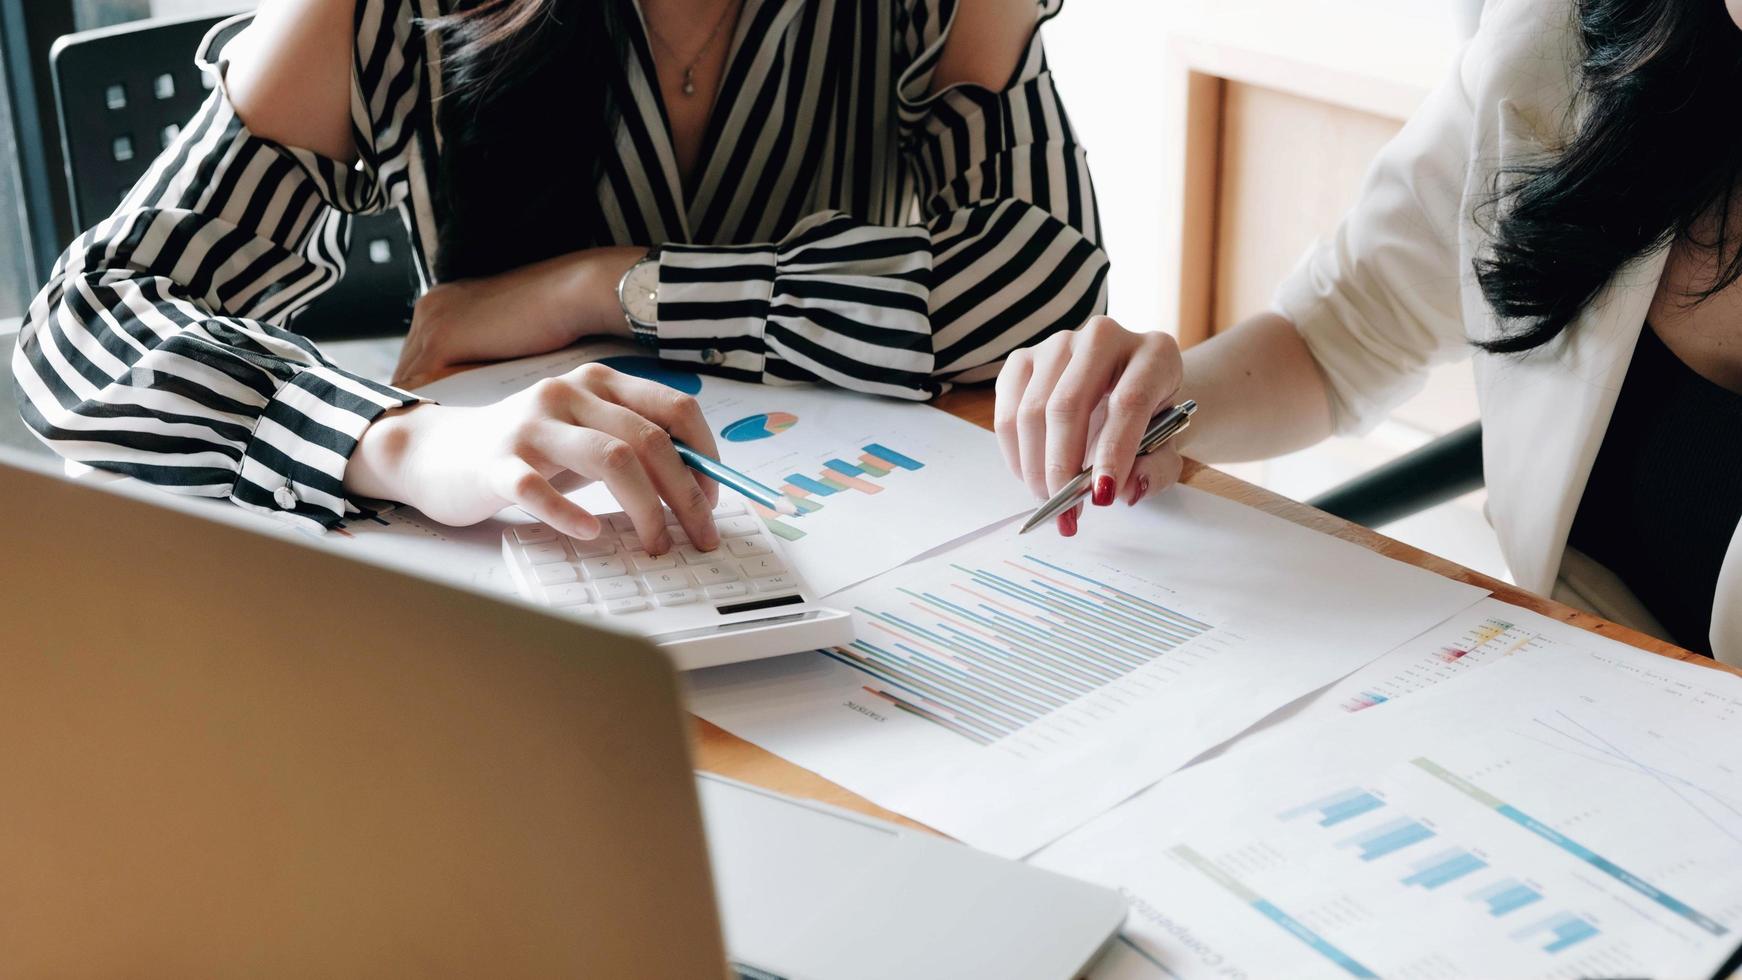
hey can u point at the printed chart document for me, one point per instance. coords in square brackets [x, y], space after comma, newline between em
[1551, 815]
[1010, 689]
[878, 481]
[1492, 630]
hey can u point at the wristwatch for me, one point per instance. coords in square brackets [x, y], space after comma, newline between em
[638, 295]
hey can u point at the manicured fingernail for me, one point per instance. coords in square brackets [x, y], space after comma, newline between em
[1104, 491]
[1141, 491]
[1068, 523]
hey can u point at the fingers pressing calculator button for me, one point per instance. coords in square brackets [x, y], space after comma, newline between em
[606, 567]
[617, 607]
[695, 556]
[737, 527]
[567, 594]
[645, 562]
[729, 590]
[747, 547]
[616, 588]
[775, 583]
[555, 574]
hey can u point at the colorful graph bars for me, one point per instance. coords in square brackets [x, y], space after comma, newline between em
[837, 476]
[1337, 807]
[999, 648]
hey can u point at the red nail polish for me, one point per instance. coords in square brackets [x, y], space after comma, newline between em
[1141, 491]
[1103, 491]
[1068, 523]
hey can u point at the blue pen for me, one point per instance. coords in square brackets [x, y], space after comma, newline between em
[727, 476]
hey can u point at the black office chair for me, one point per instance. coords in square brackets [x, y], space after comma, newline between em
[122, 94]
[1442, 470]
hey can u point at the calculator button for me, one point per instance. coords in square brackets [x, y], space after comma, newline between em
[534, 533]
[728, 590]
[631, 542]
[728, 508]
[545, 552]
[748, 547]
[616, 588]
[645, 562]
[775, 583]
[554, 574]
[764, 566]
[737, 527]
[567, 594]
[669, 580]
[617, 607]
[621, 523]
[681, 597]
[713, 573]
[609, 566]
[599, 547]
[692, 555]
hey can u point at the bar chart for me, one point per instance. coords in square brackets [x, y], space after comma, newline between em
[1338, 807]
[1444, 868]
[1506, 896]
[1001, 646]
[1436, 662]
[1387, 838]
[1564, 931]
[873, 463]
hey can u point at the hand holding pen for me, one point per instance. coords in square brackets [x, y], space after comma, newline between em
[1050, 396]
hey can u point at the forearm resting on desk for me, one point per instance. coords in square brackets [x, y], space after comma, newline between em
[1259, 390]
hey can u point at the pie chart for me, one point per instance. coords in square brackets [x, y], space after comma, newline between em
[759, 426]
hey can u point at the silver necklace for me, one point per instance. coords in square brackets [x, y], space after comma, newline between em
[689, 72]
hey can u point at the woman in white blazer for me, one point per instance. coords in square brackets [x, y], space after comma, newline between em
[1563, 209]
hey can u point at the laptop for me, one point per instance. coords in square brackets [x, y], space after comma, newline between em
[232, 754]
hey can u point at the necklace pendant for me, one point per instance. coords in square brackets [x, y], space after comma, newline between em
[689, 81]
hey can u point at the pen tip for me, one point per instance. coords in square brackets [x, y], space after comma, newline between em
[788, 508]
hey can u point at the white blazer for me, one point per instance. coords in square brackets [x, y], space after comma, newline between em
[1392, 292]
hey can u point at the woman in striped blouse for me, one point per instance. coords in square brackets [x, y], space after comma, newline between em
[879, 194]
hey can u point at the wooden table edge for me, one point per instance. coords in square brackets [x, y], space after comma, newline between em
[719, 751]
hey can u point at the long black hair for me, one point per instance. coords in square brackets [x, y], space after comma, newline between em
[1655, 158]
[531, 90]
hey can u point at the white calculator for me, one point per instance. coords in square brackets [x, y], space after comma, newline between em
[741, 601]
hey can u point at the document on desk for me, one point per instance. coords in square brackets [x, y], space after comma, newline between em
[1549, 815]
[878, 481]
[1008, 690]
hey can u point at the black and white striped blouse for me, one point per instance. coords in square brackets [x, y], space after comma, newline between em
[892, 240]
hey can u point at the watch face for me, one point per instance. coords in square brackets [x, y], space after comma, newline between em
[641, 291]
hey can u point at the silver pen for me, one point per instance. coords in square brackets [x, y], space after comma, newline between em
[1164, 427]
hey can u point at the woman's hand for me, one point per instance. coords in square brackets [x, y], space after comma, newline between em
[1088, 395]
[542, 307]
[462, 465]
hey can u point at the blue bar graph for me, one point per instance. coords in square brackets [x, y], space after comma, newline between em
[986, 652]
[1506, 895]
[888, 455]
[1337, 807]
[1388, 837]
[806, 483]
[1567, 929]
[846, 467]
[1443, 868]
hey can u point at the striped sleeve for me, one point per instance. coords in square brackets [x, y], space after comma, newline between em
[159, 347]
[1006, 252]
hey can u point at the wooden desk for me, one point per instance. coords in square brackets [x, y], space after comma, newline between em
[721, 752]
